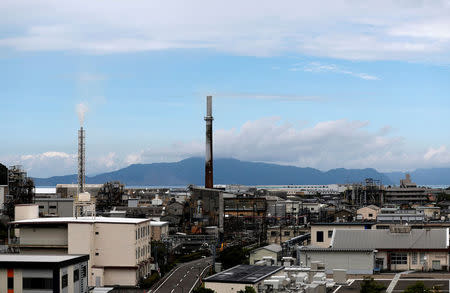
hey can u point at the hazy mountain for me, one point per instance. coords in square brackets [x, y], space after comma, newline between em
[226, 171]
[433, 176]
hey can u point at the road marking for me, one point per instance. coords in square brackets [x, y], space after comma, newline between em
[181, 280]
[172, 290]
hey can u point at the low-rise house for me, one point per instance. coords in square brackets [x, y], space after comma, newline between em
[175, 209]
[368, 213]
[238, 277]
[322, 233]
[43, 273]
[272, 251]
[431, 213]
[160, 230]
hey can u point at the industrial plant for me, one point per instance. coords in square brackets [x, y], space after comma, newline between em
[110, 237]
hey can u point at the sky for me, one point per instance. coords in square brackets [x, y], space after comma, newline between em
[322, 84]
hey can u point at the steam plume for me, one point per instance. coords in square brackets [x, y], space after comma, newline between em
[81, 111]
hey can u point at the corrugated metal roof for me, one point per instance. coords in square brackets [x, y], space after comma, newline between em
[384, 239]
[272, 247]
[244, 274]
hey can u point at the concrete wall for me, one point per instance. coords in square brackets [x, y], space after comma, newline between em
[124, 277]
[43, 236]
[56, 207]
[227, 287]
[353, 262]
[119, 254]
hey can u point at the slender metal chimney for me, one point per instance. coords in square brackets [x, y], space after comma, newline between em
[209, 144]
[81, 161]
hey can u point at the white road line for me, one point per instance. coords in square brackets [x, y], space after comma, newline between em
[198, 278]
[172, 290]
[168, 277]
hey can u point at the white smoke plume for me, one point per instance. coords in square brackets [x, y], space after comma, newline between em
[81, 109]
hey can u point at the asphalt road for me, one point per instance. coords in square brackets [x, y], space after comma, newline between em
[184, 277]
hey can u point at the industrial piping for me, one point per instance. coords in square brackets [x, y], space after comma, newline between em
[209, 144]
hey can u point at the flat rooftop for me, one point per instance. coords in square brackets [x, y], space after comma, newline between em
[63, 220]
[40, 261]
[244, 274]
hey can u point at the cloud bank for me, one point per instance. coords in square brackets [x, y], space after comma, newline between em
[325, 145]
[343, 29]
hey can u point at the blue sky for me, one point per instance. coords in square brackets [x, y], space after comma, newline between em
[326, 85]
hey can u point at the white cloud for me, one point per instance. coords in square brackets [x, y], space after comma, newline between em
[318, 67]
[369, 30]
[325, 145]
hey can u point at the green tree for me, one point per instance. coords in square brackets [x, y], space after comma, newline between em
[203, 290]
[232, 256]
[418, 287]
[369, 285]
[248, 289]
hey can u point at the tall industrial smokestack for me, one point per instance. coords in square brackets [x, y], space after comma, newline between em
[81, 161]
[209, 144]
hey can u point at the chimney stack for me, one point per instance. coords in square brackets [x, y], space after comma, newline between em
[209, 144]
[81, 161]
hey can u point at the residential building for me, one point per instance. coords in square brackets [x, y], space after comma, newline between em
[368, 213]
[322, 233]
[271, 251]
[43, 273]
[118, 248]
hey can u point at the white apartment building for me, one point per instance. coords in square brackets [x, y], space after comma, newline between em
[118, 248]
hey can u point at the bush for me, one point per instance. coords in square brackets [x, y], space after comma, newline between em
[148, 283]
[369, 285]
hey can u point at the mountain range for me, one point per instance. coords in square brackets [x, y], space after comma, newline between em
[226, 171]
[232, 171]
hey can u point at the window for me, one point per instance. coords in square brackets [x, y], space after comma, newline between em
[422, 258]
[96, 233]
[319, 236]
[76, 275]
[10, 283]
[83, 272]
[96, 253]
[64, 281]
[399, 258]
[52, 207]
[330, 233]
[273, 233]
[370, 215]
[414, 258]
[287, 233]
[37, 283]
[41, 207]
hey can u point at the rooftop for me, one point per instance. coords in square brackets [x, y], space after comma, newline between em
[244, 274]
[384, 239]
[82, 220]
[40, 261]
[272, 247]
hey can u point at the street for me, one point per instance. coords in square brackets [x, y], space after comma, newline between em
[184, 277]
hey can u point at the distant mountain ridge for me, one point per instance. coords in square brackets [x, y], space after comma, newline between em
[432, 176]
[226, 171]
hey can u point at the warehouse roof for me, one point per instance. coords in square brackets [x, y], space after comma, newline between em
[385, 239]
[63, 220]
[244, 274]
